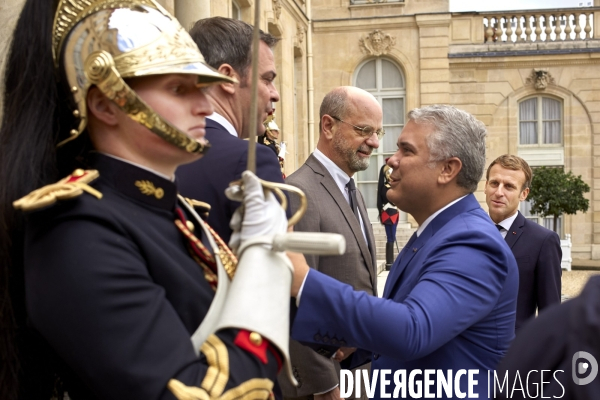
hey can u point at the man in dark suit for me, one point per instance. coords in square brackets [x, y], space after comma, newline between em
[207, 178]
[342, 151]
[558, 352]
[449, 300]
[536, 249]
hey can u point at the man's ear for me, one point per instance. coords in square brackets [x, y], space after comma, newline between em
[450, 169]
[524, 194]
[101, 107]
[227, 70]
[327, 123]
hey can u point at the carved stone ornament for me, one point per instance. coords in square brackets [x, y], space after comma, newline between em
[277, 8]
[377, 43]
[298, 41]
[300, 30]
[540, 78]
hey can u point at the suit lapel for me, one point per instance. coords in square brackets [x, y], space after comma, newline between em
[408, 252]
[370, 256]
[411, 249]
[347, 213]
[515, 231]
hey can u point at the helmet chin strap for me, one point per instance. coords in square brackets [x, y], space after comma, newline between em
[270, 134]
[100, 70]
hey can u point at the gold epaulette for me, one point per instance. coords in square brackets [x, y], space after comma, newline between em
[71, 186]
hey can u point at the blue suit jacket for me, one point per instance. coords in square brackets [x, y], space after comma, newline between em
[207, 178]
[449, 301]
[538, 254]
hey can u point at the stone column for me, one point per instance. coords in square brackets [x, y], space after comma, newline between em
[311, 87]
[9, 14]
[434, 41]
[190, 11]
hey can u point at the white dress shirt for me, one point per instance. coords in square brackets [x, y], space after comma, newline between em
[341, 180]
[218, 118]
[507, 223]
[435, 214]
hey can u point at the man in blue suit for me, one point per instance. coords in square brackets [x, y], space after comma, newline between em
[206, 179]
[536, 249]
[449, 300]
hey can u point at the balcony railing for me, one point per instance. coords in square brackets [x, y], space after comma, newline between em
[356, 2]
[539, 26]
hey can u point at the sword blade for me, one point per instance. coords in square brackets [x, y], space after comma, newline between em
[251, 166]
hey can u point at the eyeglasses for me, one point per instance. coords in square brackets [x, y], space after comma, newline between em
[366, 131]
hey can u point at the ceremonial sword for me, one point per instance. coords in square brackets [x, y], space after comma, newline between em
[301, 242]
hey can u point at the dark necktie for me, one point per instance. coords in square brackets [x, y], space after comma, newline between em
[500, 227]
[353, 202]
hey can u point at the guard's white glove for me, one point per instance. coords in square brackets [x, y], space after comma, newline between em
[282, 150]
[259, 295]
[258, 219]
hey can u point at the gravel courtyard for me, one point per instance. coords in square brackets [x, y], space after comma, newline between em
[574, 281]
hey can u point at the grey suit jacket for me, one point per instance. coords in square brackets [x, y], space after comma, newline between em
[328, 211]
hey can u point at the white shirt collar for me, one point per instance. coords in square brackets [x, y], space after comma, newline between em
[218, 118]
[339, 176]
[435, 214]
[169, 178]
[341, 179]
[507, 223]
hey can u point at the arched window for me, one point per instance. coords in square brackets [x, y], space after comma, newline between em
[540, 121]
[384, 80]
[541, 142]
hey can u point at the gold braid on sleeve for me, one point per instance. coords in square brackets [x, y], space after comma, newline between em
[216, 378]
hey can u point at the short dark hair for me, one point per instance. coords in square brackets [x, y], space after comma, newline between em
[335, 104]
[227, 41]
[514, 163]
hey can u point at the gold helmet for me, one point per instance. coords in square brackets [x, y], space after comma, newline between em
[272, 126]
[101, 42]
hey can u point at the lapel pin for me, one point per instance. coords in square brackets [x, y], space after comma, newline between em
[415, 249]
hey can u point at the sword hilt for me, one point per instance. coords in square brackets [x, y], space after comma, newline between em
[278, 189]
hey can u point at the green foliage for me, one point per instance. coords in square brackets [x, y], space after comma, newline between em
[554, 192]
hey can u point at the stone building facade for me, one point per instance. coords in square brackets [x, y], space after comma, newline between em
[532, 77]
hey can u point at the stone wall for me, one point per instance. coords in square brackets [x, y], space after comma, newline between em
[491, 87]
[444, 58]
[9, 14]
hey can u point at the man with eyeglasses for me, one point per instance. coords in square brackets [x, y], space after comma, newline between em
[447, 313]
[350, 130]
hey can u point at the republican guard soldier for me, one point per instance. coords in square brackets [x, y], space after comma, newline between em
[269, 139]
[128, 292]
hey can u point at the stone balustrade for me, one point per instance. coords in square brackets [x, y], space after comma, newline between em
[356, 2]
[562, 25]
